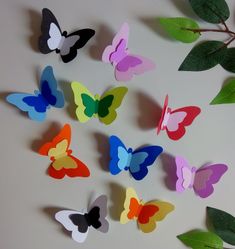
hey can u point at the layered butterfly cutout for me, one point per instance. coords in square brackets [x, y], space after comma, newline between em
[103, 107]
[53, 39]
[175, 121]
[36, 105]
[201, 180]
[146, 214]
[126, 64]
[79, 223]
[63, 163]
[136, 162]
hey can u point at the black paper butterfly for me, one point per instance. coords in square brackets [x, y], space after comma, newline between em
[79, 223]
[53, 39]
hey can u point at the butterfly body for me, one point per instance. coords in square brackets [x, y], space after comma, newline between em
[126, 64]
[136, 162]
[175, 121]
[103, 107]
[53, 39]
[37, 104]
[201, 180]
[63, 162]
[146, 214]
[79, 222]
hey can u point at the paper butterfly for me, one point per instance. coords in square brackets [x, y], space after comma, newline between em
[52, 39]
[36, 105]
[146, 214]
[63, 163]
[174, 121]
[78, 223]
[136, 162]
[103, 107]
[201, 180]
[126, 65]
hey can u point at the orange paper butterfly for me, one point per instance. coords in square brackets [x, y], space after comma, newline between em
[147, 214]
[63, 163]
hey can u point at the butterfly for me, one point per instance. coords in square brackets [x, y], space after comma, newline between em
[201, 180]
[79, 223]
[126, 65]
[174, 121]
[136, 162]
[52, 39]
[146, 214]
[103, 107]
[63, 163]
[36, 105]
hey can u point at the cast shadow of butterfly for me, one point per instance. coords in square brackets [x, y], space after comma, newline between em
[50, 212]
[149, 111]
[69, 98]
[102, 145]
[35, 24]
[49, 134]
[184, 7]
[169, 166]
[154, 25]
[102, 41]
[117, 198]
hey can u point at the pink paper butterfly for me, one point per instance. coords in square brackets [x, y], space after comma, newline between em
[174, 121]
[126, 64]
[201, 180]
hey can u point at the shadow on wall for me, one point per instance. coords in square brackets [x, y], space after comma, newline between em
[149, 111]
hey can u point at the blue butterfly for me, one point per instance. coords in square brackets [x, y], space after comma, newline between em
[37, 104]
[135, 161]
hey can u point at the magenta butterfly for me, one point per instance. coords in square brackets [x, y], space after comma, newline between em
[201, 180]
[126, 65]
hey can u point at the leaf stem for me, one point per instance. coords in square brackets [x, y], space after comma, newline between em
[211, 30]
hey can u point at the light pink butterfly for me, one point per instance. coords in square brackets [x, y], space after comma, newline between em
[201, 180]
[126, 65]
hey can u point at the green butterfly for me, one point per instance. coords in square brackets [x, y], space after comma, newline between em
[104, 107]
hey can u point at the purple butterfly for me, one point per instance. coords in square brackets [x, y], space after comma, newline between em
[126, 65]
[201, 180]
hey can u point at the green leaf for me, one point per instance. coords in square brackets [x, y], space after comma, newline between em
[204, 56]
[223, 224]
[178, 28]
[228, 62]
[226, 95]
[212, 11]
[201, 240]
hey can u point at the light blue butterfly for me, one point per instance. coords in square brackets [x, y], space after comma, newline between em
[36, 105]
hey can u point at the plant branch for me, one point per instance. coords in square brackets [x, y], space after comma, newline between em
[211, 30]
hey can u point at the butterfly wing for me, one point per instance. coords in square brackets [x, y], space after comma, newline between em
[100, 222]
[141, 159]
[185, 174]
[206, 176]
[109, 102]
[132, 65]
[122, 35]
[152, 212]
[48, 85]
[161, 124]
[179, 119]
[73, 221]
[131, 206]
[73, 42]
[51, 33]
[33, 105]
[85, 101]
[118, 155]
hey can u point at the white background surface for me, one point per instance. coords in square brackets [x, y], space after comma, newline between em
[29, 197]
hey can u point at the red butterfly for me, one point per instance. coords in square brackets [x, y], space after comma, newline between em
[174, 121]
[63, 163]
